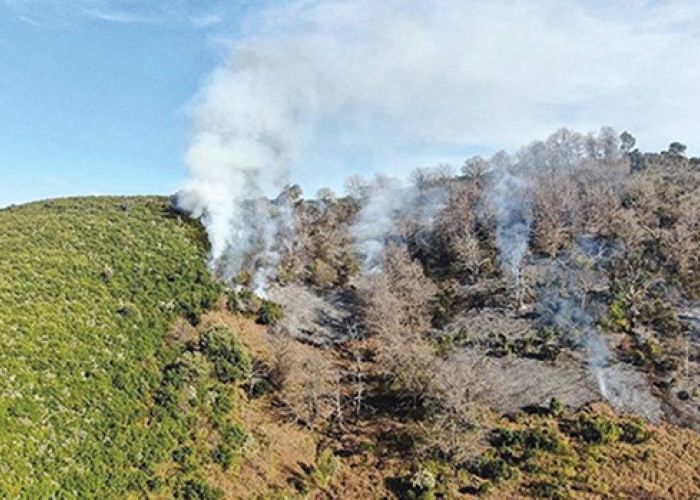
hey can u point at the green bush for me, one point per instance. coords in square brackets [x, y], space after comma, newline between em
[485, 488]
[556, 407]
[221, 403]
[198, 489]
[246, 303]
[227, 354]
[543, 439]
[618, 317]
[181, 454]
[634, 433]
[547, 489]
[526, 440]
[223, 456]
[232, 436]
[270, 313]
[493, 468]
[595, 429]
[326, 466]
[423, 484]
[243, 302]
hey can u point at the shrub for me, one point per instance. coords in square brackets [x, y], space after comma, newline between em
[221, 403]
[223, 456]
[556, 407]
[181, 454]
[243, 302]
[526, 440]
[107, 273]
[246, 303]
[234, 437]
[634, 433]
[323, 274]
[233, 442]
[492, 468]
[105, 284]
[326, 466]
[198, 489]
[349, 266]
[448, 343]
[546, 489]
[485, 488]
[270, 313]
[129, 310]
[618, 317]
[543, 439]
[227, 354]
[595, 429]
[423, 484]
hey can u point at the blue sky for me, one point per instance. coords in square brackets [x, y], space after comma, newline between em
[95, 104]
[93, 93]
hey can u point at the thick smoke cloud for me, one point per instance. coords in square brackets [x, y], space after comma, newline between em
[314, 83]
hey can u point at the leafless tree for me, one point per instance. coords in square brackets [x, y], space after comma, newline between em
[556, 211]
[454, 424]
[356, 187]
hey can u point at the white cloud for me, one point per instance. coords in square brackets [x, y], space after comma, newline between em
[113, 16]
[498, 72]
[207, 20]
[62, 12]
[65, 12]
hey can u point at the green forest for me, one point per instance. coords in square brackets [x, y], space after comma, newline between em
[88, 288]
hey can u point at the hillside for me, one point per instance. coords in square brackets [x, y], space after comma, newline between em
[88, 289]
[528, 328]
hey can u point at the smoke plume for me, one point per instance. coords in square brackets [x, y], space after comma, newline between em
[391, 209]
[513, 221]
[574, 313]
[343, 82]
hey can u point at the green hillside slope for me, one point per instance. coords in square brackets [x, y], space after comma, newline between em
[88, 288]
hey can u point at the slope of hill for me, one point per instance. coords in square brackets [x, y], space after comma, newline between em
[88, 288]
[453, 338]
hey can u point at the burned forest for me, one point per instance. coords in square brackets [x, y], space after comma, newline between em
[558, 282]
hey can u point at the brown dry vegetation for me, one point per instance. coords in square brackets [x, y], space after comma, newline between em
[401, 363]
[378, 450]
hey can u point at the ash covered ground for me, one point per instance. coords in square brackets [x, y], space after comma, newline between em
[568, 270]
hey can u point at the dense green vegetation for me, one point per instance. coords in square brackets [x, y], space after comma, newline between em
[88, 288]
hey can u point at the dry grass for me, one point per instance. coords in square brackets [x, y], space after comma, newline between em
[377, 451]
[671, 471]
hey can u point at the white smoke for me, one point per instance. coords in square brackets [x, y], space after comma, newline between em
[508, 199]
[392, 207]
[578, 326]
[376, 221]
[572, 313]
[329, 79]
[575, 315]
[598, 360]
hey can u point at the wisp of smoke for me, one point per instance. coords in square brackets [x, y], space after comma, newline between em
[578, 325]
[598, 358]
[573, 313]
[389, 204]
[513, 220]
